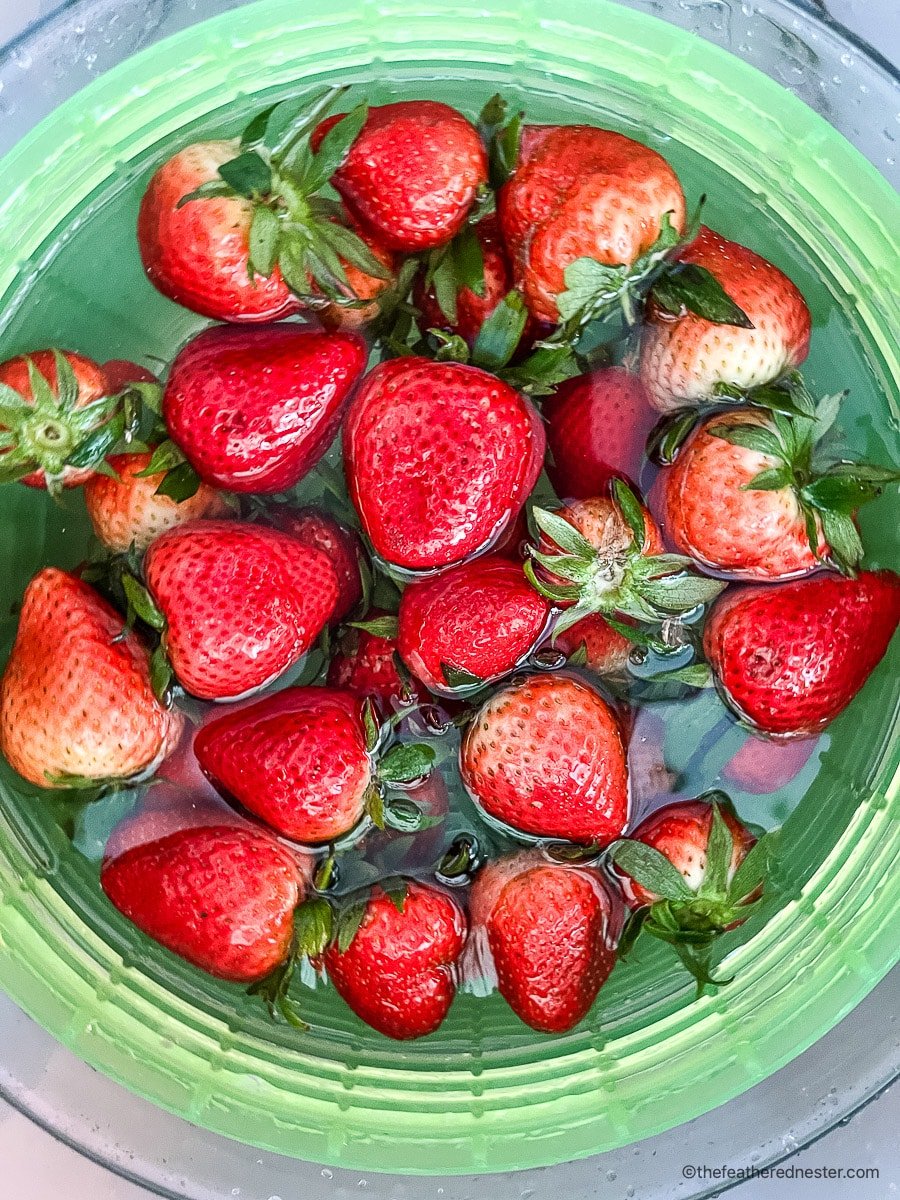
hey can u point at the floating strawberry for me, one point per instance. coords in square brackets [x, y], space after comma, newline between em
[397, 972]
[597, 427]
[546, 756]
[743, 496]
[412, 174]
[76, 702]
[789, 658]
[318, 528]
[128, 508]
[55, 414]
[440, 458]
[686, 359]
[470, 625]
[219, 896]
[551, 931]
[762, 766]
[236, 604]
[366, 663]
[254, 409]
[304, 761]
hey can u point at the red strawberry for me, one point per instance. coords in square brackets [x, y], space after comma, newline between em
[597, 427]
[602, 648]
[127, 510]
[412, 174]
[366, 664]
[362, 286]
[219, 896]
[397, 972]
[789, 658]
[762, 766]
[254, 409]
[165, 808]
[582, 193]
[51, 402]
[684, 358]
[318, 528]
[471, 624]
[120, 372]
[440, 459]
[551, 931]
[240, 603]
[297, 760]
[546, 756]
[76, 698]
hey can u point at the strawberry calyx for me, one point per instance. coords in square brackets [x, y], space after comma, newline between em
[621, 583]
[500, 129]
[395, 766]
[295, 226]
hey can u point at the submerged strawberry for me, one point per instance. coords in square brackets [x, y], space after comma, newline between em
[546, 756]
[254, 409]
[76, 701]
[318, 528]
[593, 643]
[366, 663]
[440, 458]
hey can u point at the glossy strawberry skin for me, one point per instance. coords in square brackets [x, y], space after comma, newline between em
[397, 974]
[120, 372]
[440, 459]
[242, 603]
[297, 760]
[126, 511]
[597, 428]
[710, 512]
[74, 700]
[683, 358]
[581, 192]
[318, 528]
[412, 174]
[219, 896]
[680, 832]
[198, 255]
[551, 931]
[482, 617]
[366, 665]
[546, 756]
[606, 650]
[255, 409]
[789, 658]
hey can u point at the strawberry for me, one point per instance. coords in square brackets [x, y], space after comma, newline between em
[120, 372]
[592, 642]
[221, 897]
[744, 498]
[318, 528]
[254, 409]
[597, 427]
[128, 510]
[789, 658]
[551, 933]
[605, 555]
[762, 766]
[76, 702]
[412, 414]
[365, 663]
[579, 195]
[237, 604]
[546, 756]
[351, 312]
[470, 625]
[51, 405]
[397, 972]
[412, 174]
[686, 359]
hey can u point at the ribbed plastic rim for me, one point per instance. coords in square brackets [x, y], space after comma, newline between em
[809, 965]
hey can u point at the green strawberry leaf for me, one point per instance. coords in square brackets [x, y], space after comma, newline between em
[669, 435]
[459, 677]
[630, 508]
[348, 923]
[179, 483]
[500, 333]
[291, 122]
[697, 675]
[161, 676]
[843, 539]
[543, 370]
[591, 287]
[326, 873]
[468, 260]
[563, 533]
[264, 234]
[404, 764]
[719, 852]
[682, 592]
[333, 151]
[750, 437]
[374, 806]
[773, 479]
[370, 725]
[501, 134]
[404, 816]
[255, 131]
[352, 249]
[650, 869]
[273, 990]
[461, 859]
[164, 457]
[844, 493]
[383, 627]
[313, 926]
[689, 286]
[396, 891]
[97, 445]
[207, 191]
[633, 926]
[142, 603]
[249, 175]
[755, 868]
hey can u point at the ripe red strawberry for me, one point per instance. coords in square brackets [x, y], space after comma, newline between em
[412, 174]
[596, 644]
[51, 403]
[297, 760]
[684, 358]
[397, 974]
[582, 193]
[440, 459]
[763, 766]
[470, 625]
[76, 698]
[366, 664]
[221, 897]
[254, 409]
[239, 603]
[318, 528]
[127, 510]
[546, 756]
[789, 658]
[597, 428]
[551, 931]
[120, 372]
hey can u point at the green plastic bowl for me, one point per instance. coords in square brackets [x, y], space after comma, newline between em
[484, 1093]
